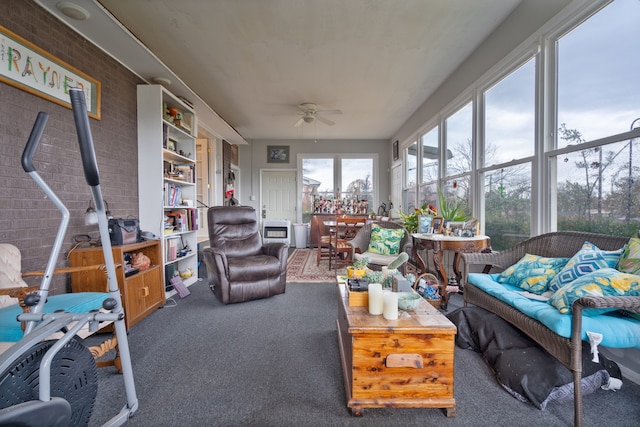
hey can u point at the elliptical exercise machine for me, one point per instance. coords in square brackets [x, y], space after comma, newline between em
[51, 383]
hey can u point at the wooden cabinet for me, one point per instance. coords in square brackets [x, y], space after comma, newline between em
[167, 178]
[403, 363]
[141, 292]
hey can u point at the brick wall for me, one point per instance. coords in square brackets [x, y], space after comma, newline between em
[27, 220]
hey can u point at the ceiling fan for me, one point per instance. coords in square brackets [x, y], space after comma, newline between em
[309, 112]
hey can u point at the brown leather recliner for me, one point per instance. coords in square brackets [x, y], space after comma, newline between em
[239, 266]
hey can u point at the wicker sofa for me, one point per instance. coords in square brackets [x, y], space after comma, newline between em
[567, 351]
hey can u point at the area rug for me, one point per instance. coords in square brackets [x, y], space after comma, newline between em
[302, 268]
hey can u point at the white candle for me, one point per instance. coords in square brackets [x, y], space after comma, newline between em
[375, 298]
[385, 272]
[390, 309]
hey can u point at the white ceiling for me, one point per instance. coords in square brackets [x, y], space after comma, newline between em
[253, 61]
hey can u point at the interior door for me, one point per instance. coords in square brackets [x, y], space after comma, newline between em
[396, 189]
[202, 186]
[278, 196]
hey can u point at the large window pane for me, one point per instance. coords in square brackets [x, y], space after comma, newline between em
[429, 146]
[598, 77]
[411, 165]
[595, 191]
[410, 177]
[507, 193]
[357, 184]
[458, 140]
[318, 188]
[509, 128]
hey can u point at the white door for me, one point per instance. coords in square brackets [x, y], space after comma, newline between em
[202, 186]
[396, 189]
[279, 194]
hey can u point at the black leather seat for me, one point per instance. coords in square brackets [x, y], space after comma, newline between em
[239, 266]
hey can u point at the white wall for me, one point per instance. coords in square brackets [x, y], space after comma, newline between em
[253, 158]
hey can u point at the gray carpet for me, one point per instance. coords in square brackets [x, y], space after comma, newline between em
[275, 362]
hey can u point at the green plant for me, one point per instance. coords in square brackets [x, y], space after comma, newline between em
[361, 263]
[374, 277]
[452, 210]
[410, 221]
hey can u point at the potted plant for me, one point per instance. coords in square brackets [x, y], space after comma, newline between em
[452, 210]
[410, 221]
[359, 268]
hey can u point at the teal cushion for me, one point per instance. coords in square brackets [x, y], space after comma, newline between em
[80, 302]
[585, 261]
[602, 282]
[532, 273]
[385, 241]
[618, 331]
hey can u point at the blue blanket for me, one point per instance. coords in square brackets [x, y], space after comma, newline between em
[618, 331]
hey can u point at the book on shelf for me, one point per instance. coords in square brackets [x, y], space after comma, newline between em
[172, 249]
[172, 195]
[182, 219]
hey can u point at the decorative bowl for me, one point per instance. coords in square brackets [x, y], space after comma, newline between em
[408, 300]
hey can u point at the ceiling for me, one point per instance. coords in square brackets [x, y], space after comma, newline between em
[253, 61]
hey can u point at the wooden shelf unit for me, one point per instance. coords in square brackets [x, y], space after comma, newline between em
[142, 292]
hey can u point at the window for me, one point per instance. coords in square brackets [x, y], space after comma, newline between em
[509, 111]
[597, 180]
[410, 176]
[598, 78]
[321, 194]
[458, 141]
[317, 186]
[358, 184]
[509, 140]
[538, 150]
[430, 163]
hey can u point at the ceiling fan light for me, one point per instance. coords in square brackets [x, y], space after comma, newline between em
[308, 119]
[73, 11]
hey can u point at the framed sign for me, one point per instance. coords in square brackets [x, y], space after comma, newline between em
[424, 223]
[277, 154]
[27, 67]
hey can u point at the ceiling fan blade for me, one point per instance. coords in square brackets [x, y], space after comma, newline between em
[299, 122]
[325, 120]
[329, 112]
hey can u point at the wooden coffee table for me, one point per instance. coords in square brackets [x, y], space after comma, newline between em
[404, 363]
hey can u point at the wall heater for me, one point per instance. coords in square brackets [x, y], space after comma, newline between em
[276, 231]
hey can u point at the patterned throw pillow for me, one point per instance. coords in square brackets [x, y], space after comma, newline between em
[385, 241]
[585, 261]
[602, 282]
[630, 259]
[532, 273]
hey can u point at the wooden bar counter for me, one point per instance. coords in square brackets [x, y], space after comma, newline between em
[403, 363]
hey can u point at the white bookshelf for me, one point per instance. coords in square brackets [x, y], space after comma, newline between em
[166, 167]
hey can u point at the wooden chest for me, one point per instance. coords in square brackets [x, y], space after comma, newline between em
[404, 363]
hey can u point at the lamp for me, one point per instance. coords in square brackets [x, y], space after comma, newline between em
[314, 191]
[91, 216]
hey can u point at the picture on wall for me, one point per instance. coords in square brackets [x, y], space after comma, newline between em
[277, 154]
